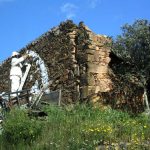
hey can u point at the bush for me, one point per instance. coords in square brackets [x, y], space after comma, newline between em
[20, 128]
[85, 127]
[76, 127]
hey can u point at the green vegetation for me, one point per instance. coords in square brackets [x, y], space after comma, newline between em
[75, 127]
[87, 127]
[133, 50]
[18, 127]
[133, 46]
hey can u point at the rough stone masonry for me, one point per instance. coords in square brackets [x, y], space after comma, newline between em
[76, 59]
[80, 63]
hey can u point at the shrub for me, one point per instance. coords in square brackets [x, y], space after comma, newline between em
[77, 127]
[20, 128]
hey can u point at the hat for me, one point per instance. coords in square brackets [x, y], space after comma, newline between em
[15, 53]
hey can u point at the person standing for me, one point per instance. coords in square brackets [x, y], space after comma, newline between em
[15, 71]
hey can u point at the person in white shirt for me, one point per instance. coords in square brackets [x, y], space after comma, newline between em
[15, 71]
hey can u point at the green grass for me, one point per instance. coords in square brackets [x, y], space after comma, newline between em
[79, 127]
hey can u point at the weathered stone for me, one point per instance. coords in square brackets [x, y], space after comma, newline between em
[90, 51]
[94, 47]
[87, 90]
[76, 60]
[96, 68]
[87, 29]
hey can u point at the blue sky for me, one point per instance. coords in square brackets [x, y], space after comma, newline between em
[22, 21]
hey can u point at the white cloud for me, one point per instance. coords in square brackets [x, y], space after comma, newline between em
[69, 10]
[94, 3]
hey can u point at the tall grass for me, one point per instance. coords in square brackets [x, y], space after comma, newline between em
[79, 127]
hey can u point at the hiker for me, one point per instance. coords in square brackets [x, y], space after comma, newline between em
[15, 71]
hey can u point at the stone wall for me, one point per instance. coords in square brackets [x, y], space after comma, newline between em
[76, 60]
[93, 57]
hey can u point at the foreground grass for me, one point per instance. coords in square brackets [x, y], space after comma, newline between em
[75, 128]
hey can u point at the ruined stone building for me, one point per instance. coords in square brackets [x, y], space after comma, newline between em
[79, 62]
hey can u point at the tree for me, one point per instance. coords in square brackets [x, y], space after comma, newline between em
[133, 46]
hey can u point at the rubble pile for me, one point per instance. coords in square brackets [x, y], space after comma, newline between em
[127, 92]
[125, 95]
